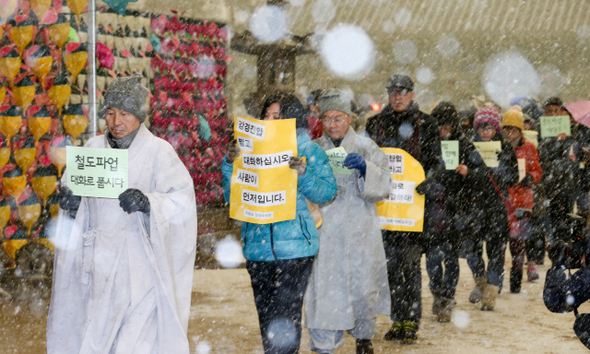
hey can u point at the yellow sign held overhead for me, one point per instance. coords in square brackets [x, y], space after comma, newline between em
[263, 186]
[403, 209]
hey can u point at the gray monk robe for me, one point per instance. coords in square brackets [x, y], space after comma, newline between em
[122, 282]
[348, 282]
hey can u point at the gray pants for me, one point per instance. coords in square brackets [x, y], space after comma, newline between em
[325, 341]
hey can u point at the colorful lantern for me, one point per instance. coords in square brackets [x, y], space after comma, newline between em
[14, 182]
[2, 93]
[24, 92]
[22, 31]
[77, 6]
[29, 211]
[75, 121]
[39, 121]
[76, 58]
[7, 8]
[24, 152]
[10, 63]
[4, 151]
[59, 30]
[45, 181]
[57, 151]
[39, 7]
[39, 59]
[15, 239]
[60, 92]
[4, 212]
[11, 121]
[53, 203]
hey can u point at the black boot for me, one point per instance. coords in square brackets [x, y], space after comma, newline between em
[515, 281]
[364, 346]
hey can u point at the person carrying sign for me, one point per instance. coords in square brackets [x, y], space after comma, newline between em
[453, 204]
[279, 256]
[124, 267]
[521, 197]
[402, 125]
[560, 157]
[348, 284]
[496, 168]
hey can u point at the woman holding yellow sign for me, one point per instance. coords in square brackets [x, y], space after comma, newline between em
[496, 169]
[279, 256]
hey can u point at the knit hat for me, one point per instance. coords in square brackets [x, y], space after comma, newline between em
[488, 115]
[127, 94]
[513, 118]
[334, 99]
[399, 81]
[446, 114]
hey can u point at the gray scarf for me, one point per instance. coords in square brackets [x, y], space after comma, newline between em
[122, 143]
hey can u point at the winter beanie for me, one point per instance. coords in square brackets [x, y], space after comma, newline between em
[127, 94]
[336, 100]
[446, 114]
[488, 115]
[513, 118]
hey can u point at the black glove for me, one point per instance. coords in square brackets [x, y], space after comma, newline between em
[133, 200]
[425, 186]
[68, 201]
[527, 181]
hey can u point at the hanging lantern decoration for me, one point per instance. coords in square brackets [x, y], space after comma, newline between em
[39, 121]
[7, 8]
[14, 182]
[4, 212]
[45, 181]
[40, 7]
[57, 151]
[39, 59]
[59, 30]
[22, 31]
[25, 152]
[10, 63]
[75, 121]
[76, 58]
[77, 7]
[15, 240]
[11, 121]
[24, 92]
[53, 203]
[60, 92]
[2, 94]
[4, 151]
[29, 211]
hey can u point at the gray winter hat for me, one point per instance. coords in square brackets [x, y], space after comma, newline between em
[334, 99]
[127, 94]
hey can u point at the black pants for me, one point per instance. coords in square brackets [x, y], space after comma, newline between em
[404, 275]
[278, 288]
[442, 266]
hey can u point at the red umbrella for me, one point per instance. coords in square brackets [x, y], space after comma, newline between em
[580, 110]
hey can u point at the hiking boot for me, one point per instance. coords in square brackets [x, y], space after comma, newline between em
[396, 332]
[531, 273]
[410, 330]
[437, 305]
[446, 310]
[488, 299]
[515, 281]
[364, 346]
[477, 292]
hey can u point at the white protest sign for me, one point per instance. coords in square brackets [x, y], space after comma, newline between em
[101, 173]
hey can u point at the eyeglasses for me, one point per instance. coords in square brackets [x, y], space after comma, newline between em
[335, 120]
[399, 92]
[489, 129]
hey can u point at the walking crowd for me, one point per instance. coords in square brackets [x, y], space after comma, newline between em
[349, 270]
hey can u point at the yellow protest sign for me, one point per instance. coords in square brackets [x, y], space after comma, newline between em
[489, 151]
[263, 186]
[403, 209]
[450, 153]
[93, 172]
[554, 125]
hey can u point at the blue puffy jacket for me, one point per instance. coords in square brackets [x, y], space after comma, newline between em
[292, 238]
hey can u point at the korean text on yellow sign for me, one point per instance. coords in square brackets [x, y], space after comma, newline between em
[101, 173]
[489, 150]
[403, 209]
[263, 186]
